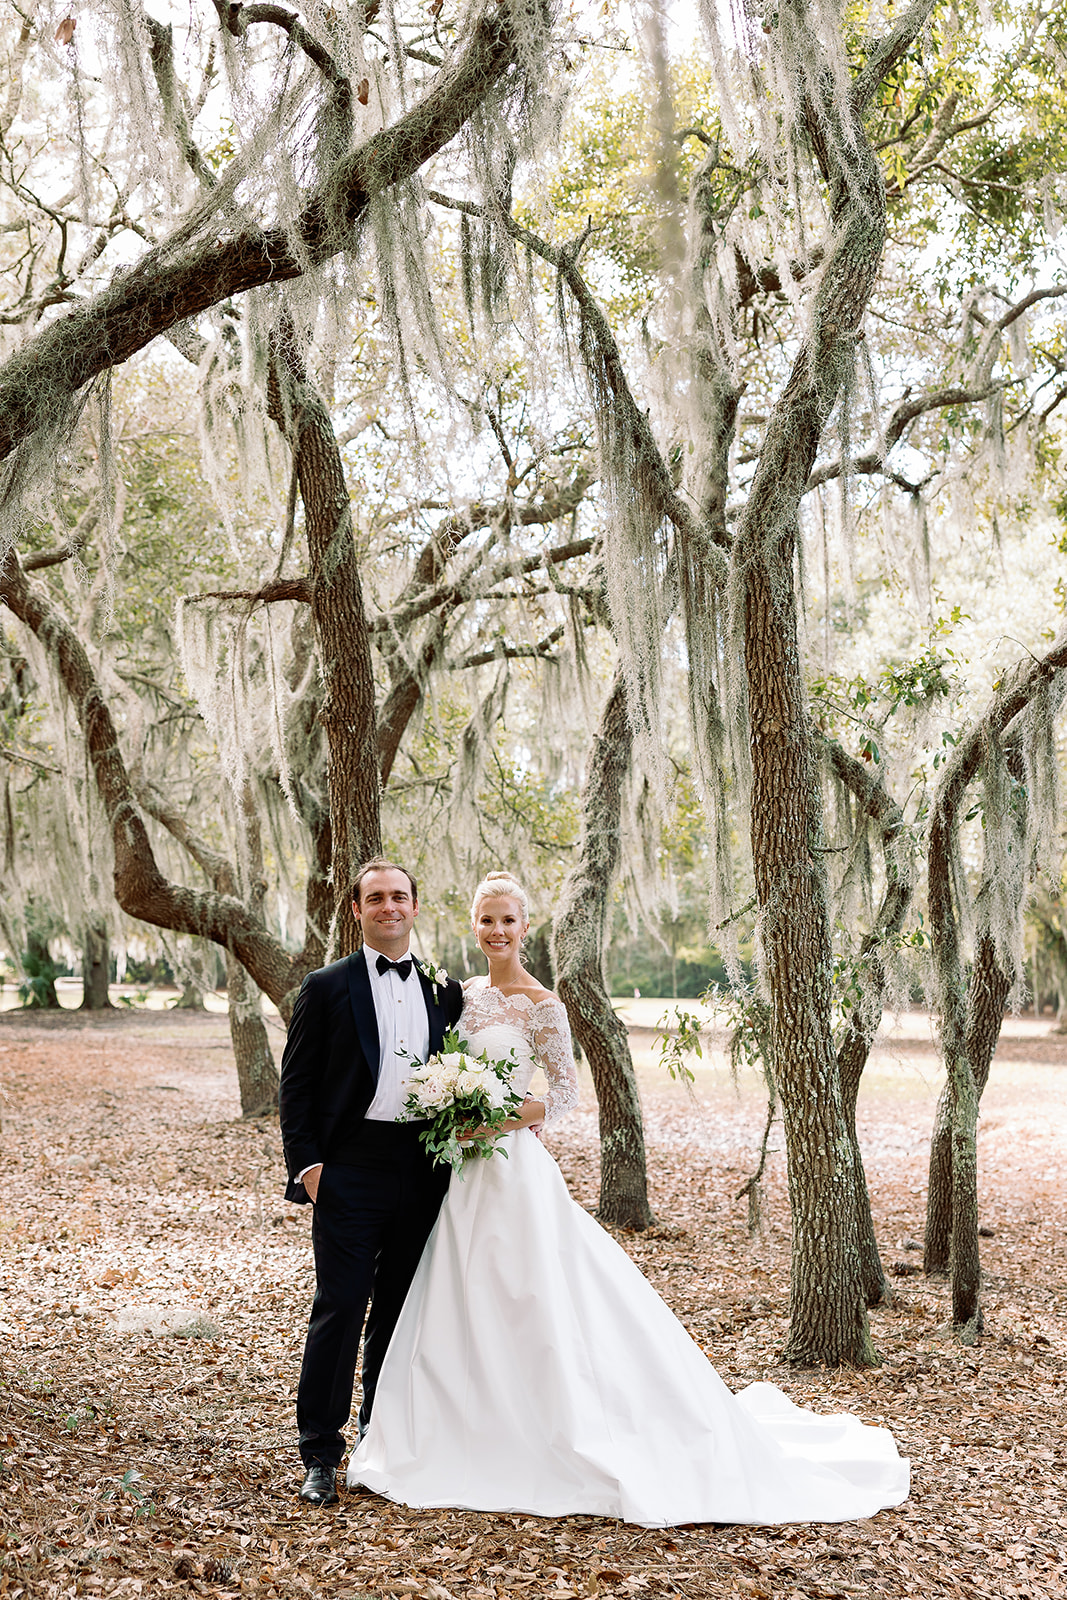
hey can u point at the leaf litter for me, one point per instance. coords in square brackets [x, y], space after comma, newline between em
[154, 1290]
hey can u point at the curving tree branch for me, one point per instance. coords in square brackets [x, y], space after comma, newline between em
[140, 887]
[905, 413]
[651, 464]
[181, 277]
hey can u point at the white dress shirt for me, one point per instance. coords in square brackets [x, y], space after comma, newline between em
[403, 1025]
[403, 1033]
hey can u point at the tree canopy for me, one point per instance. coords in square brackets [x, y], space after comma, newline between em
[499, 435]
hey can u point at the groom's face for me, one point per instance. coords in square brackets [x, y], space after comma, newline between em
[386, 910]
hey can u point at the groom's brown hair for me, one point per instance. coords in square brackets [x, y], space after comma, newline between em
[380, 864]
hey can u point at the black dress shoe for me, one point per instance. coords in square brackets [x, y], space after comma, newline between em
[319, 1487]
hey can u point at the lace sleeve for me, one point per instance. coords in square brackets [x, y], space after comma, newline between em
[552, 1045]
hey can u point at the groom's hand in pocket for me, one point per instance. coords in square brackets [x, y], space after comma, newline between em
[310, 1180]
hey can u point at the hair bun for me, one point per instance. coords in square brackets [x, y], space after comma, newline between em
[497, 884]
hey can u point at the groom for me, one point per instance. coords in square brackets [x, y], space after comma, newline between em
[354, 1029]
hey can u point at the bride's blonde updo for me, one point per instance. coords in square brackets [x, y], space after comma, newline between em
[498, 883]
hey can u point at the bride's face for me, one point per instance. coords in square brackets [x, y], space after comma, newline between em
[499, 926]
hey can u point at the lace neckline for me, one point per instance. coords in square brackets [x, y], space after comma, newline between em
[485, 987]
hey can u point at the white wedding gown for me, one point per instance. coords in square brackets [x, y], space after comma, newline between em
[535, 1369]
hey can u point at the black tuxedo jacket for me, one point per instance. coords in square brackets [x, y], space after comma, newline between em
[332, 1057]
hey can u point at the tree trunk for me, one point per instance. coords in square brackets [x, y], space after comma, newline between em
[960, 1089]
[829, 1313]
[257, 1076]
[965, 1269]
[875, 1288]
[578, 952]
[970, 1023]
[96, 965]
[40, 985]
[987, 997]
[318, 892]
[828, 1320]
[937, 1240]
[307, 778]
[347, 711]
[191, 974]
[865, 1017]
[828, 1317]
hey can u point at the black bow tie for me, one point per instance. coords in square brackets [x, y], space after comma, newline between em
[401, 968]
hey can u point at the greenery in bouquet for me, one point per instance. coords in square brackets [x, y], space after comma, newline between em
[465, 1098]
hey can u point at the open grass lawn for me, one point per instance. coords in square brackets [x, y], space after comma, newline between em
[154, 1290]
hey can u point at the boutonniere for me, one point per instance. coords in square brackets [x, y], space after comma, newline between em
[435, 973]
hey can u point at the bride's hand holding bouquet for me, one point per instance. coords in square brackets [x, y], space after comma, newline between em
[467, 1100]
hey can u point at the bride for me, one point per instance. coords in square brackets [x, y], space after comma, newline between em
[534, 1369]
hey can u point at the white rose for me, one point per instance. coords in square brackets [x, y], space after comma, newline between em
[496, 1091]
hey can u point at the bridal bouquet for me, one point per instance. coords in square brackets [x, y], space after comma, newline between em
[457, 1092]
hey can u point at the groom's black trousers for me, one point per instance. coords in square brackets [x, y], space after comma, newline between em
[375, 1208]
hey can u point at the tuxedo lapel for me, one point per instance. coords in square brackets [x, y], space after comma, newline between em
[363, 1013]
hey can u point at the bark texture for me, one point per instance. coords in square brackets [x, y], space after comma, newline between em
[987, 996]
[828, 1319]
[96, 963]
[307, 776]
[347, 710]
[578, 953]
[865, 1017]
[257, 1075]
[958, 1039]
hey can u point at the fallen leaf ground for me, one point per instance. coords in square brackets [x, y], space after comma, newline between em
[154, 1290]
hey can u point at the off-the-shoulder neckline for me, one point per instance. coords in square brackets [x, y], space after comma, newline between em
[485, 987]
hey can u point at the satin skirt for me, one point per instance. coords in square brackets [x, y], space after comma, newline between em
[535, 1369]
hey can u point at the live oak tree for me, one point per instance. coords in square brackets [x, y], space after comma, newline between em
[219, 247]
[443, 604]
[1011, 748]
[819, 121]
[192, 275]
[928, 130]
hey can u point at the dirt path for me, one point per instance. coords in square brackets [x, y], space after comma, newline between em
[154, 1290]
